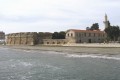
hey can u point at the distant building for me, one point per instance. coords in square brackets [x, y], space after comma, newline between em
[85, 36]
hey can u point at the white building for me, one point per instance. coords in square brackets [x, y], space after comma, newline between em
[85, 36]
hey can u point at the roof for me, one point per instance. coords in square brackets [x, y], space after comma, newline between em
[87, 31]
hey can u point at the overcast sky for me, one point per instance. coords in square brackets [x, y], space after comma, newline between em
[55, 15]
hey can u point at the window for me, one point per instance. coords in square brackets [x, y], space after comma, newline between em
[98, 35]
[89, 34]
[94, 34]
[85, 34]
[68, 34]
[64, 43]
[79, 35]
[71, 35]
[58, 42]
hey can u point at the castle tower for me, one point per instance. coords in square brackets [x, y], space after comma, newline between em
[106, 22]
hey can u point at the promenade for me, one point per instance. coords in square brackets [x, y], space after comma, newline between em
[109, 45]
[96, 48]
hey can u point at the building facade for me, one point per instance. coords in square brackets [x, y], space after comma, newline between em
[85, 36]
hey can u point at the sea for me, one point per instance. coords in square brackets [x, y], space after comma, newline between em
[19, 64]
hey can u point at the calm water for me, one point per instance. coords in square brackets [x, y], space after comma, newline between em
[48, 65]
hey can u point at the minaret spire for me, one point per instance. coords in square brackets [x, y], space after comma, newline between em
[106, 22]
[106, 19]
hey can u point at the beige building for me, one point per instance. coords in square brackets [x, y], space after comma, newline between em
[85, 36]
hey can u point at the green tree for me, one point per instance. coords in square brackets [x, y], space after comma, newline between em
[55, 35]
[62, 35]
[58, 35]
[95, 26]
[87, 28]
[113, 32]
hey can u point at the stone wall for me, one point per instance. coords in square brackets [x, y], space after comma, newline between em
[27, 38]
[54, 41]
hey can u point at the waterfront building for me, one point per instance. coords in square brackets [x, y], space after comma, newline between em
[85, 36]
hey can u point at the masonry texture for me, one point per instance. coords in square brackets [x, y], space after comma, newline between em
[55, 41]
[28, 38]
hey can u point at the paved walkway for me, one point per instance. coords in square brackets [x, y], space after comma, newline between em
[95, 45]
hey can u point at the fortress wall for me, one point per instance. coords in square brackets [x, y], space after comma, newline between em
[26, 38]
[54, 41]
[33, 38]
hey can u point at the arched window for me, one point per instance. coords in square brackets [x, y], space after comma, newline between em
[68, 34]
[47, 42]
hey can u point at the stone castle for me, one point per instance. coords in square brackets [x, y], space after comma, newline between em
[26, 38]
[72, 36]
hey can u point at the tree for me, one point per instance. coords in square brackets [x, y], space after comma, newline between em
[95, 26]
[62, 35]
[55, 35]
[58, 35]
[113, 32]
[87, 28]
[109, 25]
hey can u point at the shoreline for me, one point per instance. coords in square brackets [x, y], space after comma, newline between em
[70, 49]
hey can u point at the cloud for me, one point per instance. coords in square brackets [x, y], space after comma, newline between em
[55, 15]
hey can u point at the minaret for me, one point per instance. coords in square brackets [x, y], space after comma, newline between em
[106, 22]
[106, 17]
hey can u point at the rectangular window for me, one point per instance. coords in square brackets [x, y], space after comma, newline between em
[89, 34]
[79, 35]
[98, 35]
[85, 34]
[94, 34]
[71, 35]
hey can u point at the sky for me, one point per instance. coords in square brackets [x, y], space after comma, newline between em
[56, 15]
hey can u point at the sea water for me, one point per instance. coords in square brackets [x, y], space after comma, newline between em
[16, 64]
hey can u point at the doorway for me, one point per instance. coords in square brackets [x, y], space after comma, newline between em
[89, 40]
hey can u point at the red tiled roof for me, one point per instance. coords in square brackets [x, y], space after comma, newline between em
[88, 31]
